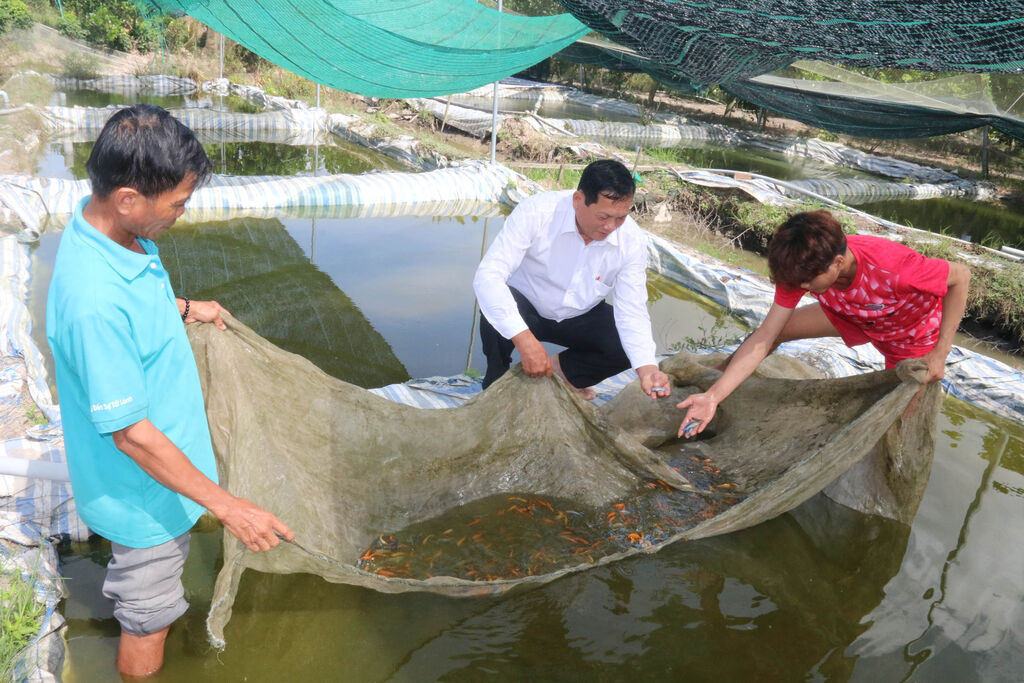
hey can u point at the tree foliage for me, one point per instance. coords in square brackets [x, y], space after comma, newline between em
[14, 14]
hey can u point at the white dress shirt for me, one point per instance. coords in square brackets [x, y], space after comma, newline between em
[540, 252]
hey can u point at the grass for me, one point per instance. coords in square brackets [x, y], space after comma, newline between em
[996, 293]
[20, 615]
[548, 177]
[80, 65]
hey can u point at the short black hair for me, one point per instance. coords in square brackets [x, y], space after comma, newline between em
[606, 177]
[145, 148]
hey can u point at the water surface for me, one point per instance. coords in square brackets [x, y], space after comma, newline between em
[821, 593]
[990, 224]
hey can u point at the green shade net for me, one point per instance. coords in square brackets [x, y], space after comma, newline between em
[526, 482]
[715, 42]
[848, 102]
[614, 58]
[401, 48]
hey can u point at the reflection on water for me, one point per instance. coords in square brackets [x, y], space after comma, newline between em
[990, 224]
[258, 272]
[96, 98]
[957, 604]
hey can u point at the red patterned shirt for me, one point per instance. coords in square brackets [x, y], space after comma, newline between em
[894, 301]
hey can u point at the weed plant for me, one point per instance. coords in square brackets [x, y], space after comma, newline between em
[710, 338]
[20, 615]
[996, 292]
[79, 65]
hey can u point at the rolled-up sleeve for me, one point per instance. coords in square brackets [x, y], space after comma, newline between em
[490, 282]
[632, 319]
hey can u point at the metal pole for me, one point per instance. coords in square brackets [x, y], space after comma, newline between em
[494, 110]
[316, 147]
[984, 151]
[222, 68]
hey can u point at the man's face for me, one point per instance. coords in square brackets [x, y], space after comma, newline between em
[602, 218]
[153, 216]
[823, 281]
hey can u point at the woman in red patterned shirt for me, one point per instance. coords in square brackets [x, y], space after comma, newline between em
[869, 290]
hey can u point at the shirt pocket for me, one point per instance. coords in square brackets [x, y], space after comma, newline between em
[602, 290]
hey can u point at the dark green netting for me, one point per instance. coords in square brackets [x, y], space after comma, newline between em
[257, 271]
[850, 103]
[715, 42]
[864, 116]
[400, 48]
[608, 57]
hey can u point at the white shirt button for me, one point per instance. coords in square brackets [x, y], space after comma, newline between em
[153, 266]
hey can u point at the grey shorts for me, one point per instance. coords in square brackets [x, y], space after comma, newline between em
[145, 585]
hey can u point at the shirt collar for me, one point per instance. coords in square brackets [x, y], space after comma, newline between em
[125, 262]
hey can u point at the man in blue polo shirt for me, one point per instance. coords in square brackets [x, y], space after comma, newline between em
[138, 444]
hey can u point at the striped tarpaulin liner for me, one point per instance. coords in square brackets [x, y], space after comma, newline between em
[440, 192]
[127, 84]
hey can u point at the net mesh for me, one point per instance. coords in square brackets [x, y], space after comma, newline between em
[402, 48]
[526, 482]
[847, 102]
[716, 42]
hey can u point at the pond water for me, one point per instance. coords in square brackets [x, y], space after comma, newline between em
[371, 301]
[990, 224]
[94, 98]
[821, 593]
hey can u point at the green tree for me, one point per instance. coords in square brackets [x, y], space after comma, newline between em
[14, 14]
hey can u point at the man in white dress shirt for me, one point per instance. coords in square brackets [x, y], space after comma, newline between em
[545, 279]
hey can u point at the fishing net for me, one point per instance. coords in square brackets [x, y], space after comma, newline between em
[526, 482]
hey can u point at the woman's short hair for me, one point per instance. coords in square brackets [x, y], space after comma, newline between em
[145, 148]
[804, 247]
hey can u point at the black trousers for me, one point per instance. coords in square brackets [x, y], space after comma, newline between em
[593, 349]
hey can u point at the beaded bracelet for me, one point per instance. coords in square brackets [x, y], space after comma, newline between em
[185, 314]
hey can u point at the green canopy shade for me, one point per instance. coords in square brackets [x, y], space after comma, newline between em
[385, 48]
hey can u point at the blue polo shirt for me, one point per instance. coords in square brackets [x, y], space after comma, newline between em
[122, 355]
